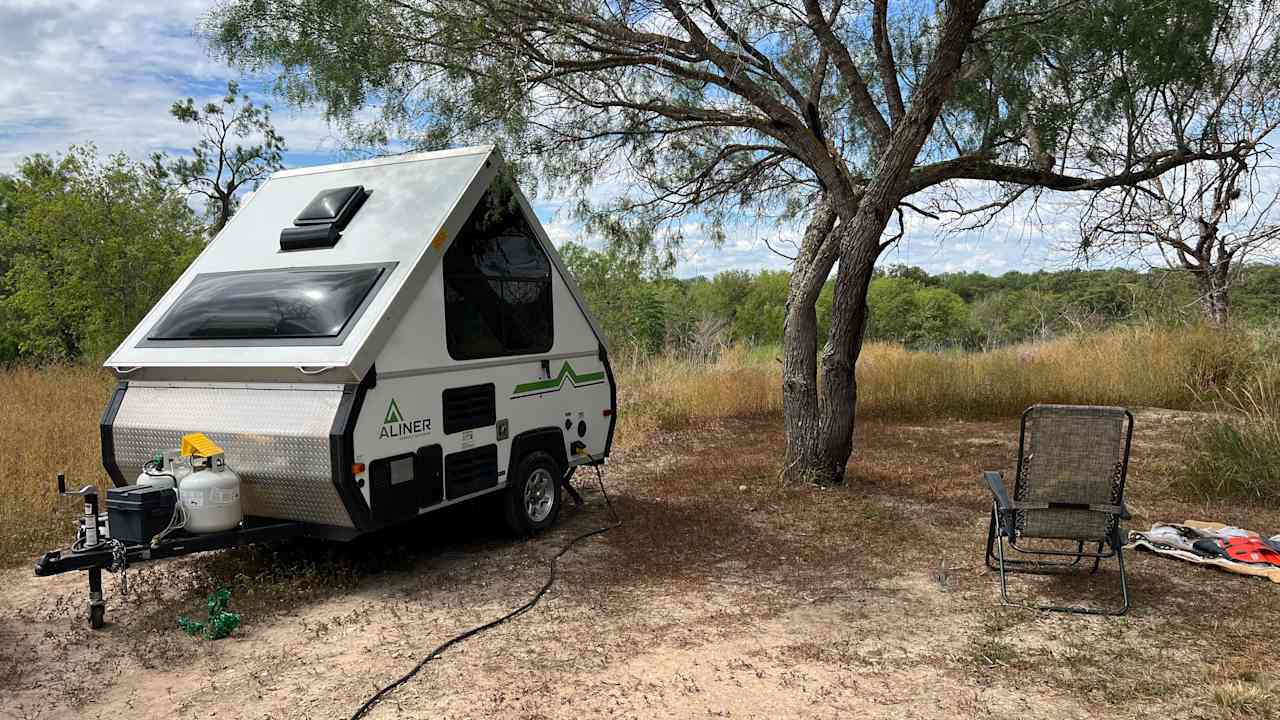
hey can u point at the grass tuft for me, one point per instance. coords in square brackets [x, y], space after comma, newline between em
[1238, 455]
[1245, 699]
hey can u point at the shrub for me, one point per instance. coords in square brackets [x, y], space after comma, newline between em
[1237, 456]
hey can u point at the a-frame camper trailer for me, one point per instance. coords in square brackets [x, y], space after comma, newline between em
[363, 343]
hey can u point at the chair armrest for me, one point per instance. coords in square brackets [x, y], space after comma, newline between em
[996, 483]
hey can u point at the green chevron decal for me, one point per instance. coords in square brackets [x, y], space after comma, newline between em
[557, 382]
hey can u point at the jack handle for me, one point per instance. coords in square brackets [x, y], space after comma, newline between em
[85, 491]
[89, 522]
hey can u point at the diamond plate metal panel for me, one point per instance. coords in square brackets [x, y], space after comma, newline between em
[277, 440]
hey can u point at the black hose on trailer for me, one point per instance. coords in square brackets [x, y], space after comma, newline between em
[537, 597]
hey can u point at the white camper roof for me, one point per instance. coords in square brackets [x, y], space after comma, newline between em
[414, 206]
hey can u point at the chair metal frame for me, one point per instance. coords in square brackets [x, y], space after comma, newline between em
[1002, 531]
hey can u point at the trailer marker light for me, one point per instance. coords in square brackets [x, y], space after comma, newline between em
[607, 412]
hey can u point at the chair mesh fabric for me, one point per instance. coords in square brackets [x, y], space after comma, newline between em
[1071, 454]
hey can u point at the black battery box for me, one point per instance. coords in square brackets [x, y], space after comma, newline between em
[137, 513]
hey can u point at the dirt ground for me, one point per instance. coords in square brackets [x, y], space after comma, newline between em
[721, 595]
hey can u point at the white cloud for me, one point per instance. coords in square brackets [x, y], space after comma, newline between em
[107, 72]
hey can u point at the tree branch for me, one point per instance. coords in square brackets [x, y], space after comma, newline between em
[854, 84]
[884, 57]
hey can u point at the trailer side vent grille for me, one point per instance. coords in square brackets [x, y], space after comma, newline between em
[471, 471]
[467, 408]
[321, 222]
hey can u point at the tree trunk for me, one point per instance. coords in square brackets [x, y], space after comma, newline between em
[837, 405]
[818, 253]
[822, 458]
[224, 212]
[1215, 298]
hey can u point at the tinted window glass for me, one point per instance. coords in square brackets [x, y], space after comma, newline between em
[267, 304]
[497, 286]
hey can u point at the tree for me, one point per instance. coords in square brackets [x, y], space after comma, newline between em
[1013, 316]
[905, 310]
[835, 111]
[619, 286]
[220, 167]
[1205, 220]
[758, 318]
[88, 247]
[1206, 217]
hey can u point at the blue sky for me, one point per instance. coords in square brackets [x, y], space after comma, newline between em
[77, 71]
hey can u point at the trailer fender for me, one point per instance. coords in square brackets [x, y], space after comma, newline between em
[550, 439]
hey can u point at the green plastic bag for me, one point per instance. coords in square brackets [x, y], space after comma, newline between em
[219, 624]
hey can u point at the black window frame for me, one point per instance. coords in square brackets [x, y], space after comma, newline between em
[466, 236]
[283, 341]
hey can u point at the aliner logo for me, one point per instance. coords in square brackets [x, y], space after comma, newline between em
[395, 426]
[393, 413]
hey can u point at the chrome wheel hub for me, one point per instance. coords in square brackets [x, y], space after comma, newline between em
[539, 495]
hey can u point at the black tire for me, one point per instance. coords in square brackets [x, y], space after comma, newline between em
[538, 474]
[97, 616]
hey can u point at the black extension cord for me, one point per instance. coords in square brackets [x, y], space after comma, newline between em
[537, 597]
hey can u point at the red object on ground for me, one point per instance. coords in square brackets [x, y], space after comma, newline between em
[1251, 550]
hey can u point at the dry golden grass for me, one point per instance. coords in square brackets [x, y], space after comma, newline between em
[1136, 366]
[49, 418]
[48, 422]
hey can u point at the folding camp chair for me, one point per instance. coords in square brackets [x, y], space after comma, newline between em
[1072, 461]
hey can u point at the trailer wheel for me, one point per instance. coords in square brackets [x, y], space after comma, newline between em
[97, 616]
[532, 500]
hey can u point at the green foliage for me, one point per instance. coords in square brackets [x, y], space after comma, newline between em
[1009, 316]
[86, 247]
[758, 317]
[1256, 294]
[644, 309]
[622, 292]
[905, 310]
[1238, 460]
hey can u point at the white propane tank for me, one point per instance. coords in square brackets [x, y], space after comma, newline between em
[166, 471]
[176, 464]
[154, 478]
[210, 495]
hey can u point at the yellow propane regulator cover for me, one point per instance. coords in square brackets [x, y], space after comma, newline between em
[199, 445]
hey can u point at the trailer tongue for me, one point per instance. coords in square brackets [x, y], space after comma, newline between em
[193, 512]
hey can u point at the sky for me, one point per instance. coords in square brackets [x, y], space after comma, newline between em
[80, 71]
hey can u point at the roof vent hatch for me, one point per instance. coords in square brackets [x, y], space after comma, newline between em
[321, 222]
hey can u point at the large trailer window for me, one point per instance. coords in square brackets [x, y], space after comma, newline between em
[497, 285]
[266, 304]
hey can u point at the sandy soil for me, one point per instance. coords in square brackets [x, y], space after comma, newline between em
[721, 596]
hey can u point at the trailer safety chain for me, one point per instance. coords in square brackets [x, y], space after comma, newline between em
[120, 564]
[537, 597]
